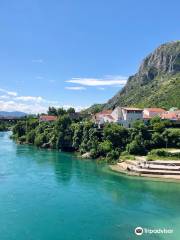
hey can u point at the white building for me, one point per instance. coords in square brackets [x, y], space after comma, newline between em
[126, 116]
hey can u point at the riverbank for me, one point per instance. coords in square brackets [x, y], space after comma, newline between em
[159, 169]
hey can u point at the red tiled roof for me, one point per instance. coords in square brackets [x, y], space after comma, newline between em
[158, 110]
[47, 118]
[175, 115]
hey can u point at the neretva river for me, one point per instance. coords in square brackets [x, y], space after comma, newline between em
[47, 195]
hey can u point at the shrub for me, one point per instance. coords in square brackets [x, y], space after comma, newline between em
[39, 140]
[136, 148]
[22, 139]
[94, 153]
[112, 156]
[126, 156]
[30, 136]
[159, 152]
[163, 153]
[105, 147]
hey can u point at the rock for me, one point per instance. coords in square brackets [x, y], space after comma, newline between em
[45, 145]
[86, 155]
[157, 83]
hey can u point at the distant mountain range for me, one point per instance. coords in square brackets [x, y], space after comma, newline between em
[156, 84]
[12, 114]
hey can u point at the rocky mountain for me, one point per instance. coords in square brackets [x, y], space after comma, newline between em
[156, 84]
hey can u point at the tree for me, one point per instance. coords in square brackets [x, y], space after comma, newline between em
[71, 110]
[77, 129]
[105, 147]
[19, 129]
[116, 134]
[172, 137]
[39, 140]
[31, 136]
[85, 147]
[135, 147]
[157, 140]
[96, 108]
[159, 125]
[52, 111]
[64, 133]
[61, 111]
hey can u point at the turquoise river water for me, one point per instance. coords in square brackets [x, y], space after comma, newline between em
[47, 195]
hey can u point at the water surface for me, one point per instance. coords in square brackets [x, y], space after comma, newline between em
[47, 195]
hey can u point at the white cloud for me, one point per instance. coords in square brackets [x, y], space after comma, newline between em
[30, 98]
[75, 88]
[106, 81]
[4, 97]
[8, 92]
[28, 104]
[77, 108]
[23, 107]
[40, 60]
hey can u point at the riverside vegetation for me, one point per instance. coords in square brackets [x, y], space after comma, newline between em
[5, 126]
[108, 143]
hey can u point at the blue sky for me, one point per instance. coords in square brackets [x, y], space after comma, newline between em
[76, 52]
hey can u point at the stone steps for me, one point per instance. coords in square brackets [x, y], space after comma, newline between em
[153, 167]
[166, 162]
[154, 171]
[163, 167]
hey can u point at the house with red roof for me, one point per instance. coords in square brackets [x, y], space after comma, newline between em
[171, 115]
[149, 113]
[122, 115]
[126, 116]
[47, 118]
[98, 118]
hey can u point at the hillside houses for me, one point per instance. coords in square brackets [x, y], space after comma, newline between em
[171, 115]
[122, 115]
[102, 117]
[126, 116]
[149, 113]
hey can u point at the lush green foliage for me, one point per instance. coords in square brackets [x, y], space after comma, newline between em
[163, 154]
[60, 111]
[3, 126]
[6, 125]
[108, 143]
